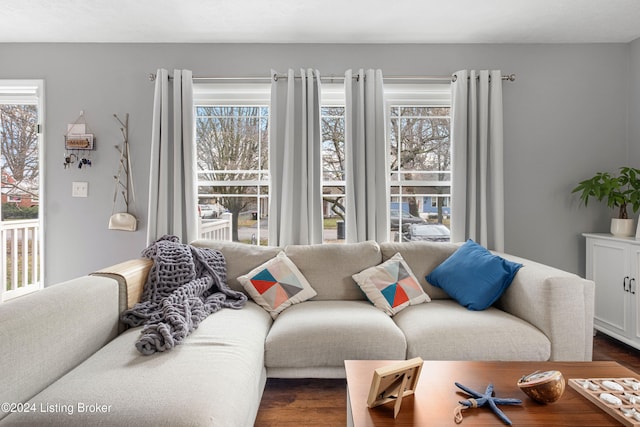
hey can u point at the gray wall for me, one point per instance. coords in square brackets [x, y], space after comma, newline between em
[634, 105]
[566, 117]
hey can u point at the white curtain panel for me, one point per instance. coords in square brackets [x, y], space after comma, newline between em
[295, 160]
[366, 158]
[172, 180]
[477, 189]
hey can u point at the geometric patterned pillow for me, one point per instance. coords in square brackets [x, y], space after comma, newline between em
[391, 286]
[277, 284]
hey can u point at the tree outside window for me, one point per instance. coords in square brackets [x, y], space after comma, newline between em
[420, 162]
[232, 162]
[333, 178]
[19, 161]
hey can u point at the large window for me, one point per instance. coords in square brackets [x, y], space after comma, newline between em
[232, 137]
[232, 158]
[20, 147]
[420, 161]
[333, 179]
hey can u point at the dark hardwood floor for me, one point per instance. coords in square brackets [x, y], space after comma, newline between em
[312, 402]
[606, 348]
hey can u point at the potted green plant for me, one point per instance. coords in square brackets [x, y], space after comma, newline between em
[617, 191]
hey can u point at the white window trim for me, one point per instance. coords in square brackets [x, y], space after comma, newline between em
[231, 93]
[431, 95]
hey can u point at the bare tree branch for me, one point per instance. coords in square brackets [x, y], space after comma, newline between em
[19, 147]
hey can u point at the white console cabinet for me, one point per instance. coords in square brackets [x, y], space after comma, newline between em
[613, 263]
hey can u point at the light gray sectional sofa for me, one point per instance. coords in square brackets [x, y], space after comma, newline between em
[66, 360]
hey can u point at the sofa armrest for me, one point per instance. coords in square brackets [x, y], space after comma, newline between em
[558, 303]
[45, 334]
[131, 276]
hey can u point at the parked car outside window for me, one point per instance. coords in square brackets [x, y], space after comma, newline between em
[427, 232]
[407, 219]
[207, 211]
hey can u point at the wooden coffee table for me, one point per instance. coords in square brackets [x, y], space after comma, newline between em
[436, 395]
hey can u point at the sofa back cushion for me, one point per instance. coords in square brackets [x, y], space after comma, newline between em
[241, 258]
[329, 267]
[422, 258]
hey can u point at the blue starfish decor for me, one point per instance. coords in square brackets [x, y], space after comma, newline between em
[477, 399]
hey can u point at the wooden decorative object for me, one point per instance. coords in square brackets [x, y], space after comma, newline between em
[624, 390]
[393, 382]
[543, 387]
[79, 136]
[133, 276]
[79, 142]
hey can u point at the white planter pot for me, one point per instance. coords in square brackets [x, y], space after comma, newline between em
[622, 227]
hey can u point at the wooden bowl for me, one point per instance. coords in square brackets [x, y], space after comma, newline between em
[543, 387]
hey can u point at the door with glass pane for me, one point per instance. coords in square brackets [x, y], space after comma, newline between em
[20, 149]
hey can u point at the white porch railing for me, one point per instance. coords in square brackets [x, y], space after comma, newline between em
[216, 229]
[21, 258]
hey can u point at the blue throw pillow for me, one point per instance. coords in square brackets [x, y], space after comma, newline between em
[473, 276]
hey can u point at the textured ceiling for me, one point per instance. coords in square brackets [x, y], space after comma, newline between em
[326, 21]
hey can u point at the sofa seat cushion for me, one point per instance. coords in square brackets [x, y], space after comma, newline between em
[444, 330]
[326, 333]
[215, 378]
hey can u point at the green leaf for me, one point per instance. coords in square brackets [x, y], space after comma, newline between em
[615, 190]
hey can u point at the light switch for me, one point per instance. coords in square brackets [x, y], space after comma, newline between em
[79, 189]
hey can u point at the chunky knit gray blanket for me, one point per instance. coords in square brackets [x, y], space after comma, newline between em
[185, 285]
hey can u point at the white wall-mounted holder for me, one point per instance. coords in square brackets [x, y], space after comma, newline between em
[79, 135]
[78, 143]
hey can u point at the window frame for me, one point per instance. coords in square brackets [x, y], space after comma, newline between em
[28, 92]
[332, 95]
[234, 95]
[415, 95]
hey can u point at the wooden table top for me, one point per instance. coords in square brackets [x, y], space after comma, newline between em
[436, 395]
